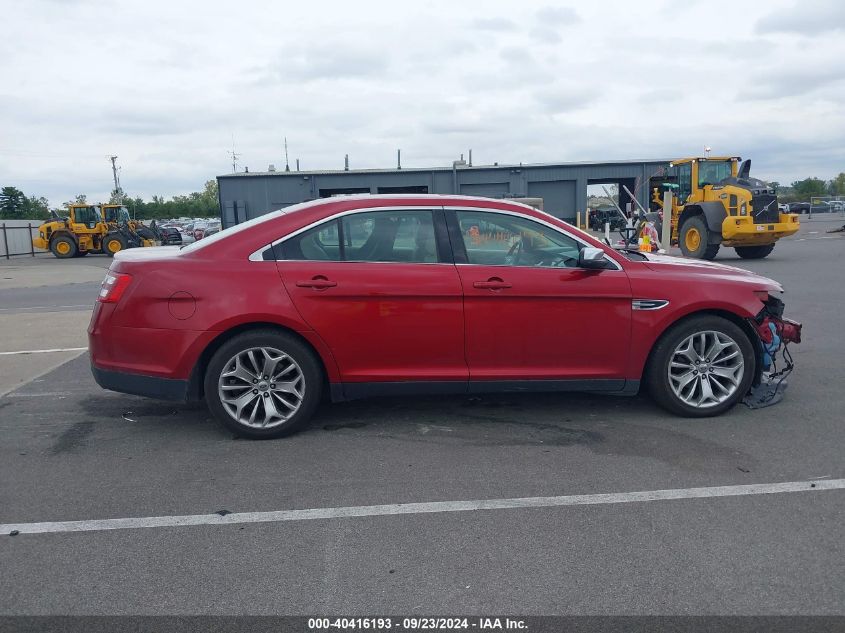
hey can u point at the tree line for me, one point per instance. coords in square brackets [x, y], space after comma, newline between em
[804, 190]
[16, 205]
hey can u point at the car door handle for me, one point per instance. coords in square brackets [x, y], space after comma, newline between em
[318, 283]
[493, 283]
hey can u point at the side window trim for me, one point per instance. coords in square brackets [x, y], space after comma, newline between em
[456, 237]
[445, 250]
[341, 240]
[444, 253]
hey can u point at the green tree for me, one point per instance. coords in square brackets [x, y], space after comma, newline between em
[36, 208]
[12, 202]
[117, 196]
[80, 199]
[838, 185]
[809, 188]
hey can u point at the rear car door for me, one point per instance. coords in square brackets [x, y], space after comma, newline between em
[380, 288]
[530, 312]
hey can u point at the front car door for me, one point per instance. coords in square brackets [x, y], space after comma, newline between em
[531, 313]
[380, 288]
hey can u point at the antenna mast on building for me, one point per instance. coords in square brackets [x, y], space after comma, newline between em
[287, 163]
[114, 171]
[235, 156]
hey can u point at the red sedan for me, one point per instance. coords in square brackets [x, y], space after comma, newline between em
[373, 295]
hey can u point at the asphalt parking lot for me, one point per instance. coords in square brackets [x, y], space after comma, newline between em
[73, 452]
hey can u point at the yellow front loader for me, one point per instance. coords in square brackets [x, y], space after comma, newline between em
[717, 203]
[90, 228]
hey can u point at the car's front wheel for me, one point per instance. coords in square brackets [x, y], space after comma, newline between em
[701, 367]
[263, 384]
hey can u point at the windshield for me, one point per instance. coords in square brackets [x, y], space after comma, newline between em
[123, 214]
[712, 172]
[86, 215]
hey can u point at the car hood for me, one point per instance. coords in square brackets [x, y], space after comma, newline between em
[667, 263]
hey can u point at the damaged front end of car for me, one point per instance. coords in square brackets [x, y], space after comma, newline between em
[775, 362]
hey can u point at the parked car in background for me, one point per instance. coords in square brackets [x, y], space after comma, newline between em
[800, 207]
[170, 235]
[600, 216]
[373, 295]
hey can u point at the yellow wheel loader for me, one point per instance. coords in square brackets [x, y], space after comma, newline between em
[717, 203]
[91, 228]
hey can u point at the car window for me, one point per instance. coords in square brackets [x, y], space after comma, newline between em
[495, 239]
[390, 236]
[321, 243]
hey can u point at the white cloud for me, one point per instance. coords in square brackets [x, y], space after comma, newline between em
[166, 85]
[812, 18]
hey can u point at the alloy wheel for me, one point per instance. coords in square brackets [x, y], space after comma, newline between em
[706, 369]
[261, 387]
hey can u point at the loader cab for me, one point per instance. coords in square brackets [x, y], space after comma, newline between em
[693, 174]
[86, 215]
[115, 214]
[712, 172]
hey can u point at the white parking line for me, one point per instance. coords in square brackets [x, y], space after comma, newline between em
[34, 308]
[45, 351]
[419, 508]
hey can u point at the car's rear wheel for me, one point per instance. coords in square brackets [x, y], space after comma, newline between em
[702, 367]
[263, 384]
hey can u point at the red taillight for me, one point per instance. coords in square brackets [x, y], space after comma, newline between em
[114, 285]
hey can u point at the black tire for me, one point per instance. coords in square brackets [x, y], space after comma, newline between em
[657, 372]
[63, 247]
[704, 249]
[307, 363]
[754, 252]
[110, 240]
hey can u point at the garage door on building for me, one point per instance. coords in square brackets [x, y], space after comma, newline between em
[558, 196]
[485, 189]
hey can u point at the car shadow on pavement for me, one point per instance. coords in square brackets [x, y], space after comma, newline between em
[603, 425]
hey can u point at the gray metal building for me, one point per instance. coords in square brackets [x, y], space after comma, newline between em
[562, 186]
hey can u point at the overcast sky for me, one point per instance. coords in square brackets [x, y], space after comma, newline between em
[166, 85]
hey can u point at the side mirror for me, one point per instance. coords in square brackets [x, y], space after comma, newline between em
[593, 259]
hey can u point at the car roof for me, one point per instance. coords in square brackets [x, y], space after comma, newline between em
[325, 207]
[406, 199]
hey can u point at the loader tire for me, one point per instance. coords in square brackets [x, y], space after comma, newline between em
[63, 247]
[754, 252]
[694, 239]
[113, 243]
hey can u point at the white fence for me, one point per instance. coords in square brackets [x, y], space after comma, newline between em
[16, 238]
